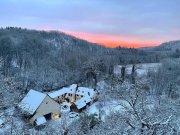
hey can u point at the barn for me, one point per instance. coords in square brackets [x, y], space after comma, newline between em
[39, 107]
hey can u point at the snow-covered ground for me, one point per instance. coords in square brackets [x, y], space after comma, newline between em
[2, 121]
[67, 118]
[8, 121]
[97, 108]
[106, 108]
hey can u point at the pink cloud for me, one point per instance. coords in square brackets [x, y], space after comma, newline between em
[112, 41]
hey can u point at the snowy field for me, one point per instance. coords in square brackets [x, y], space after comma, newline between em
[140, 69]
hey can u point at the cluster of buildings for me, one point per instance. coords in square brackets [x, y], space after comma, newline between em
[40, 107]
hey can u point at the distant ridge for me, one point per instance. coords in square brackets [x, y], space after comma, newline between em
[166, 46]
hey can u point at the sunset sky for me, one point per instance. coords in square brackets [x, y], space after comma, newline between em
[130, 23]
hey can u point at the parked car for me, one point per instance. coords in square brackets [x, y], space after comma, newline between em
[73, 114]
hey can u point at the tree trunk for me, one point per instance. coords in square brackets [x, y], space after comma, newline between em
[133, 75]
[123, 73]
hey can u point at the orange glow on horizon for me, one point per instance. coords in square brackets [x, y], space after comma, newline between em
[113, 41]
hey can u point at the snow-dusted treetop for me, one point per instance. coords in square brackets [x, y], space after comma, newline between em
[31, 101]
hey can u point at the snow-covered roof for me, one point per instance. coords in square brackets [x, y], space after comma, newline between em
[87, 96]
[40, 120]
[71, 89]
[31, 101]
[80, 103]
[85, 91]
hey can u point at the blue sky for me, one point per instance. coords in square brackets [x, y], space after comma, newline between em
[144, 22]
